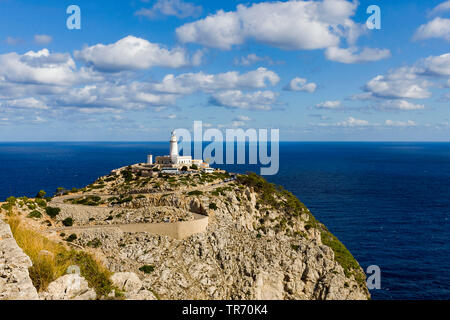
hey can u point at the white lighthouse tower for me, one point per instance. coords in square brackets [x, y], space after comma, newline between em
[174, 147]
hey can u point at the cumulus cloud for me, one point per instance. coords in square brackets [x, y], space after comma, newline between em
[177, 8]
[436, 28]
[410, 82]
[131, 53]
[399, 83]
[190, 82]
[328, 105]
[437, 65]
[41, 67]
[301, 84]
[42, 39]
[259, 100]
[293, 25]
[351, 55]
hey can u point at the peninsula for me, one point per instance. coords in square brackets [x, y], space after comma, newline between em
[145, 232]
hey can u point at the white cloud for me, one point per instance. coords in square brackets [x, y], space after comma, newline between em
[27, 103]
[328, 105]
[259, 100]
[242, 118]
[437, 65]
[42, 39]
[391, 123]
[402, 105]
[251, 59]
[132, 53]
[301, 84]
[293, 25]
[177, 8]
[436, 28]
[191, 82]
[352, 122]
[351, 55]
[400, 83]
[443, 7]
[41, 67]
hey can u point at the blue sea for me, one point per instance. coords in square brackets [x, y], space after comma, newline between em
[389, 203]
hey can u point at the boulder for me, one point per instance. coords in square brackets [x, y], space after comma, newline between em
[127, 281]
[69, 287]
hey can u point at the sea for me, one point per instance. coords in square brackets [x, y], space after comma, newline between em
[388, 202]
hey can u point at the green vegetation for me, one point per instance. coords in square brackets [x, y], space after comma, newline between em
[41, 203]
[277, 197]
[342, 255]
[95, 243]
[147, 269]
[35, 214]
[72, 237]
[47, 268]
[122, 199]
[68, 222]
[41, 194]
[194, 167]
[213, 206]
[87, 201]
[52, 211]
[195, 193]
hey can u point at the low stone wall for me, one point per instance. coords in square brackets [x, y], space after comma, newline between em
[15, 281]
[177, 230]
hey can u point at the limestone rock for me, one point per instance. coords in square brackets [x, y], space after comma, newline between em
[127, 281]
[69, 287]
[15, 281]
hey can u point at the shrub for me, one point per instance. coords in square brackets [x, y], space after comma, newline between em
[41, 194]
[41, 203]
[35, 214]
[71, 238]
[213, 206]
[184, 169]
[95, 243]
[52, 211]
[195, 193]
[194, 167]
[11, 200]
[68, 222]
[147, 269]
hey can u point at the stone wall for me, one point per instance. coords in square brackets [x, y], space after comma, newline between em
[15, 281]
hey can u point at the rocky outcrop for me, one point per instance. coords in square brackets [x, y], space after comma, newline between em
[15, 282]
[69, 287]
[132, 286]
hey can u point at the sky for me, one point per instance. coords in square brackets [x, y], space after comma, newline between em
[138, 69]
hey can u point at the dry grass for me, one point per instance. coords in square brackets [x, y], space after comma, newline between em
[48, 267]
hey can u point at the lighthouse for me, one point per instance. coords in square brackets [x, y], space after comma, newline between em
[174, 147]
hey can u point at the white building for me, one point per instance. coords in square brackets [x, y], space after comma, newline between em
[175, 160]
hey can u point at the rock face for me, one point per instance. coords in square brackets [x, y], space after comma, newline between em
[69, 287]
[15, 282]
[252, 249]
[130, 283]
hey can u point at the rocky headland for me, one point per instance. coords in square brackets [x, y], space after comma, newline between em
[137, 234]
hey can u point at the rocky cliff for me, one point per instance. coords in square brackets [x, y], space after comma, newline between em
[261, 242]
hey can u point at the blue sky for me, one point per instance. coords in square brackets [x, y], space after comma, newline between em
[136, 69]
